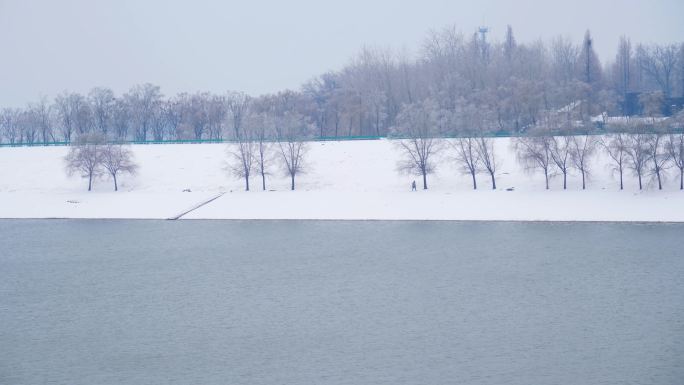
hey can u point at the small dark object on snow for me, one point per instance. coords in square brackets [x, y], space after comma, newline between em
[187, 190]
[413, 186]
[510, 189]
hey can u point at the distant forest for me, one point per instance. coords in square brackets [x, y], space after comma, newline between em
[469, 82]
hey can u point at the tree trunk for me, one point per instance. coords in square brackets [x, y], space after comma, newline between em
[493, 181]
[424, 181]
[639, 181]
[621, 184]
[263, 181]
[116, 186]
[474, 180]
[681, 178]
[565, 180]
[660, 184]
[583, 183]
[247, 182]
[546, 176]
[293, 184]
[90, 180]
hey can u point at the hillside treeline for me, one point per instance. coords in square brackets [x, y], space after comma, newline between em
[473, 83]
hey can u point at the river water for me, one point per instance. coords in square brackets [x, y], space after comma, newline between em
[315, 302]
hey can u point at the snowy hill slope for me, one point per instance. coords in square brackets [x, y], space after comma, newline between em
[344, 180]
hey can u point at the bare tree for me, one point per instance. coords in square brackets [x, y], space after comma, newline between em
[198, 114]
[159, 123]
[121, 119]
[291, 133]
[238, 104]
[675, 148]
[659, 63]
[581, 151]
[42, 114]
[85, 157]
[143, 100]
[82, 115]
[175, 111]
[638, 154]
[658, 157]
[244, 155]
[560, 150]
[64, 106]
[118, 159]
[9, 121]
[417, 126]
[28, 124]
[617, 148]
[102, 102]
[216, 114]
[261, 127]
[488, 159]
[534, 152]
[466, 156]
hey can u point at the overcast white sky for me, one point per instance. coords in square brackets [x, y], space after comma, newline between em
[261, 46]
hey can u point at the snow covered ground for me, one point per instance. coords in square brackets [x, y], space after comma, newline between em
[345, 180]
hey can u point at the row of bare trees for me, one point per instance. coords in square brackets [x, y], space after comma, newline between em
[256, 153]
[420, 128]
[514, 84]
[141, 114]
[645, 150]
[644, 154]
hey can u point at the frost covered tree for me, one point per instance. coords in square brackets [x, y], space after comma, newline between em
[487, 156]
[467, 157]
[292, 131]
[243, 154]
[675, 149]
[9, 123]
[560, 150]
[417, 127]
[143, 100]
[534, 152]
[658, 157]
[261, 127]
[85, 157]
[198, 113]
[616, 146]
[102, 102]
[43, 117]
[238, 110]
[82, 114]
[637, 154]
[659, 63]
[117, 159]
[582, 148]
[72, 114]
[121, 119]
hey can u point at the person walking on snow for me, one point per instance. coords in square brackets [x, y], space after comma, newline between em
[413, 186]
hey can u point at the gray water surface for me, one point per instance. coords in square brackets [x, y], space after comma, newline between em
[306, 302]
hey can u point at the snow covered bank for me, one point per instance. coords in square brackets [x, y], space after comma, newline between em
[345, 180]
